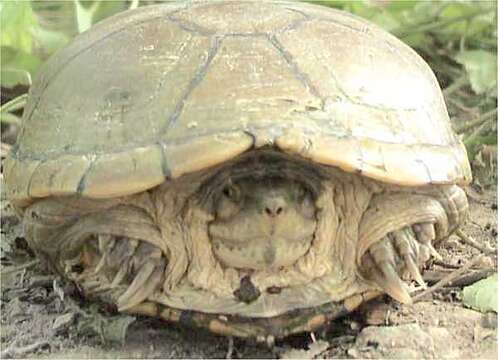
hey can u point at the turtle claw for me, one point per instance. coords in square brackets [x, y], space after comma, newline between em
[385, 274]
[407, 249]
[120, 275]
[122, 270]
[393, 285]
[145, 283]
[414, 271]
[426, 233]
[434, 252]
[138, 282]
[400, 252]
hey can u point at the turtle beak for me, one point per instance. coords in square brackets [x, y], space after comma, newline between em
[270, 254]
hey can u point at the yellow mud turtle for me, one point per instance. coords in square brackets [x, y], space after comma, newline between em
[257, 169]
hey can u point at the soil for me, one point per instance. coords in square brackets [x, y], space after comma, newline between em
[42, 316]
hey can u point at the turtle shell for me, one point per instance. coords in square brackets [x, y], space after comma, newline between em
[160, 91]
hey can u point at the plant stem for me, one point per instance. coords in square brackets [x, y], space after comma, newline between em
[480, 120]
[457, 84]
[15, 104]
[449, 278]
[9, 119]
[26, 265]
[435, 25]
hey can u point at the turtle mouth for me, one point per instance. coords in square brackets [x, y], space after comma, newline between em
[262, 238]
[260, 253]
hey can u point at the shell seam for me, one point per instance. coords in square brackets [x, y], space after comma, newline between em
[189, 26]
[199, 76]
[185, 139]
[296, 23]
[301, 76]
[32, 176]
[164, 161]
[387, 43]
[81, 184]
[62, 66]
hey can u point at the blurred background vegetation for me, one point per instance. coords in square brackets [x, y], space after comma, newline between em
[457, 38]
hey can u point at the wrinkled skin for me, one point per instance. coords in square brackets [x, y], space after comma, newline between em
[267, 237]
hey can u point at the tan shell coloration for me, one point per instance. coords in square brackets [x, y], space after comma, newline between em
[165, 90]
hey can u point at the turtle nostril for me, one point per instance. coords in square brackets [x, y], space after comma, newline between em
[273, 211]
[274, 206]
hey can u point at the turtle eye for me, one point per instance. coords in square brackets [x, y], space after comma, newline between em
[300, 193]
[307, 206]
[231, 192]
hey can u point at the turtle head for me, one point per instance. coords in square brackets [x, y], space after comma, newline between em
[261, 223]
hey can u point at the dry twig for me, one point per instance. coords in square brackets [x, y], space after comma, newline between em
[16, 352]
[21, 267]
[466, 239]
[432, 277]
[449, 279]
[230, 348]
[446, 265]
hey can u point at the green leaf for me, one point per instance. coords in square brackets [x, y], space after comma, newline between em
[481, 67]
[456, 10]
[108, 329]
[49, 41]
[17, 18]
[420, 41]
[422, 12]
[134, 4]
[17, 66]
[397, 6]
[115, 329]
[108, 8]
[12, 77]
[483, 19]
[90, 12]
[24, 42]
[385, 20]
[84, 15]
[483, 295]
[8, 118]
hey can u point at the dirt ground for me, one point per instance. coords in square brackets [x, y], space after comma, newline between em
[44, 317]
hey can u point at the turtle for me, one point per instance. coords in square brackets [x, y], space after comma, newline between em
[255, 169]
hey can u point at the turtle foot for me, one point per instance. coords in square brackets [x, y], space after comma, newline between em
[122, 270]
[400, 255]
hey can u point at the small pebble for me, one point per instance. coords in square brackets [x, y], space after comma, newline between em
[63, 322]
[353, 353]
[354, 325]
[434, 321]
[490, 320]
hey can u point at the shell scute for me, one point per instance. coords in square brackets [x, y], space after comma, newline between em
[245, 18]
[124, 90]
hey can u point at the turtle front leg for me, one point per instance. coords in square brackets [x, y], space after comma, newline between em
[121, 270]
[400, 255]
[111, 249]
[398, 232]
